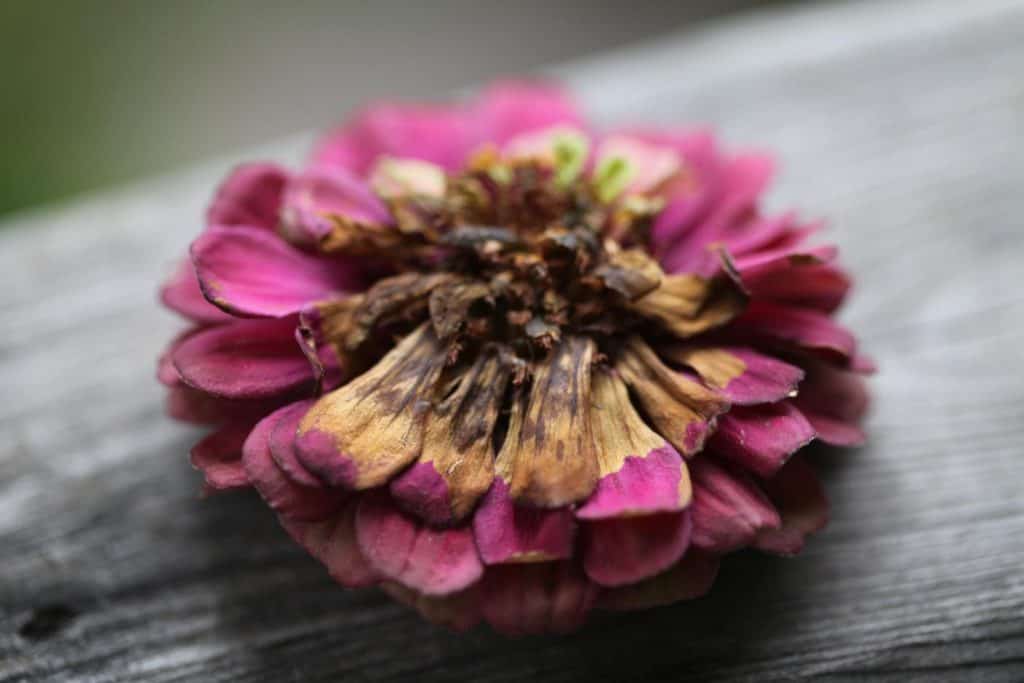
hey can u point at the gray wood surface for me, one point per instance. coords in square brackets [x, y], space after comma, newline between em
[900, 121]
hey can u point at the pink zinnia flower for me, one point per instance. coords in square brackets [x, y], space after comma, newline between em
[512, 369]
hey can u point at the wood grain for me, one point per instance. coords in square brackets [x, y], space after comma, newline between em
[901, 122]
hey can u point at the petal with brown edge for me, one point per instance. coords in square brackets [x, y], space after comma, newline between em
[456, 465]
[553, 597]
[728, 510]
[640, 472]
[364, 433]
[797, 494]
[743, 375]
[254, 273]
[689, 578]
[181, 294]
[679, 408]
[246, 359]
[625, 550]
[426, 559]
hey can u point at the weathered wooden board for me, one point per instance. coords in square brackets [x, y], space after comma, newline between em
[902, 122]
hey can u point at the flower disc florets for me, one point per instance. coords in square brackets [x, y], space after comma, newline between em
[508, 369]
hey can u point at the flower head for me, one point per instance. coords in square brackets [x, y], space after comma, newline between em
[511, 369]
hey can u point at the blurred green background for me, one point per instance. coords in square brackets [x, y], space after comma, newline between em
[99, 92]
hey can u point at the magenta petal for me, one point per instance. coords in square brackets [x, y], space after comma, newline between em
[250, 195]
[423, 491]
[508, 532]
[797, 494]
[805, 328]
[252, 272]
[742, 180]
[282, 445]
[644, 485]
[287, 498]
[438, 134]
[244, 360]
[219, 456]
[312, 198]
[181, 294]
[822, 287]
[333, 542]
[626, 550]
[511, 108]
[764, 379]
[429, 560]
[834, 401]
[761, 438]
[729, 510]
[525, 599]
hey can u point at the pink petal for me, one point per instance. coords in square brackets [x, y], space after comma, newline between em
[431, 561]
[192, 405]
[653, 165]
[510, 108]
[625, 550]
[743, 179]
[506, 531]
[801, 327]
[834, 401]
[689, 578]
[314, 196]
[525, 599]
[728, 510]
[251, 272]
[438, 134]
[181, 294]
[219, 456]
[245, 359]
[288, 499]
[761, 438]
[250, 195]
[797, 494]
[422, 491]
[647, 484]
[742, 375]
[333, 542]
[282, 445]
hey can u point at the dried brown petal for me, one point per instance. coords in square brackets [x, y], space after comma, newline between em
[549, 449]
[450, 303]
[631, 273]
[456, 465]
[687, 305]
[362, 434]
[679, 408]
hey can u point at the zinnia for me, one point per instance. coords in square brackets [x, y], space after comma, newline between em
[510, 368]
